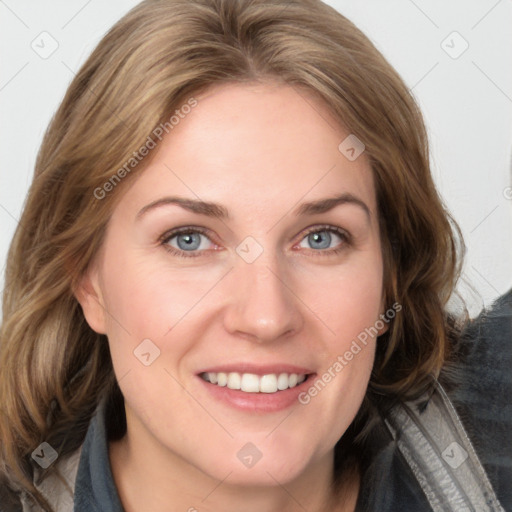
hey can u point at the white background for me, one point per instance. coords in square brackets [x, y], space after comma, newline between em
[467, 103]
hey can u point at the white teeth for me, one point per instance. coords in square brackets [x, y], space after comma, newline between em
[282, 381]
[251, 383]
[268, 383]
[222, 379]
[234, 381]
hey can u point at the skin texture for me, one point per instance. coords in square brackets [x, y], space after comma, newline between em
[260, 150]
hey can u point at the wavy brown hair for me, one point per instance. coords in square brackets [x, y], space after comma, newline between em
[54, 367]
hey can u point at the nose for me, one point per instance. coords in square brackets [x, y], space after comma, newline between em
[262, 306]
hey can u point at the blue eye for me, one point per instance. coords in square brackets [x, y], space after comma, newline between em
[321, 238]
[187, 240]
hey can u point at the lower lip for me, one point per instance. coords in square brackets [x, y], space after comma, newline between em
[257, 402]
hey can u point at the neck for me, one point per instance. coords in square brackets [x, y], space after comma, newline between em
[146, 479]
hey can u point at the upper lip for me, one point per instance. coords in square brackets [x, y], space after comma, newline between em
[256, 369]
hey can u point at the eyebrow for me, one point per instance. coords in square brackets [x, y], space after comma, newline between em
[220, 212]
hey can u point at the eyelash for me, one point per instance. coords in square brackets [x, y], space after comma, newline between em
[166, 237]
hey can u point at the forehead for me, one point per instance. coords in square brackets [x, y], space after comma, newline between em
[269, 145]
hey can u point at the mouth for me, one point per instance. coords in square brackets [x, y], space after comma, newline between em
[253, 383]
[256, 389]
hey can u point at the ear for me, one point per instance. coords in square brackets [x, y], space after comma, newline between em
[89, 295]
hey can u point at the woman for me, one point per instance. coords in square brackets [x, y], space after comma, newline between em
[173, 336]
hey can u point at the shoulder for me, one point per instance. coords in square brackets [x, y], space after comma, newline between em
[482, 391]
[56, 485]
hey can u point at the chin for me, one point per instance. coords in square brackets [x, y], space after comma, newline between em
[250, 466]
[271, 473]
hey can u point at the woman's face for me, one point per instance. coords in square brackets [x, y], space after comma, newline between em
[271, 285]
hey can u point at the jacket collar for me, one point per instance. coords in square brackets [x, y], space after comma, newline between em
[95, 488]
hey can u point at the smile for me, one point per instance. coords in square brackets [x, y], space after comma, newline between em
[252, 383]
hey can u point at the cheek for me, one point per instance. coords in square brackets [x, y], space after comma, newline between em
[349, 308]
[147, 298]
[347, 301]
